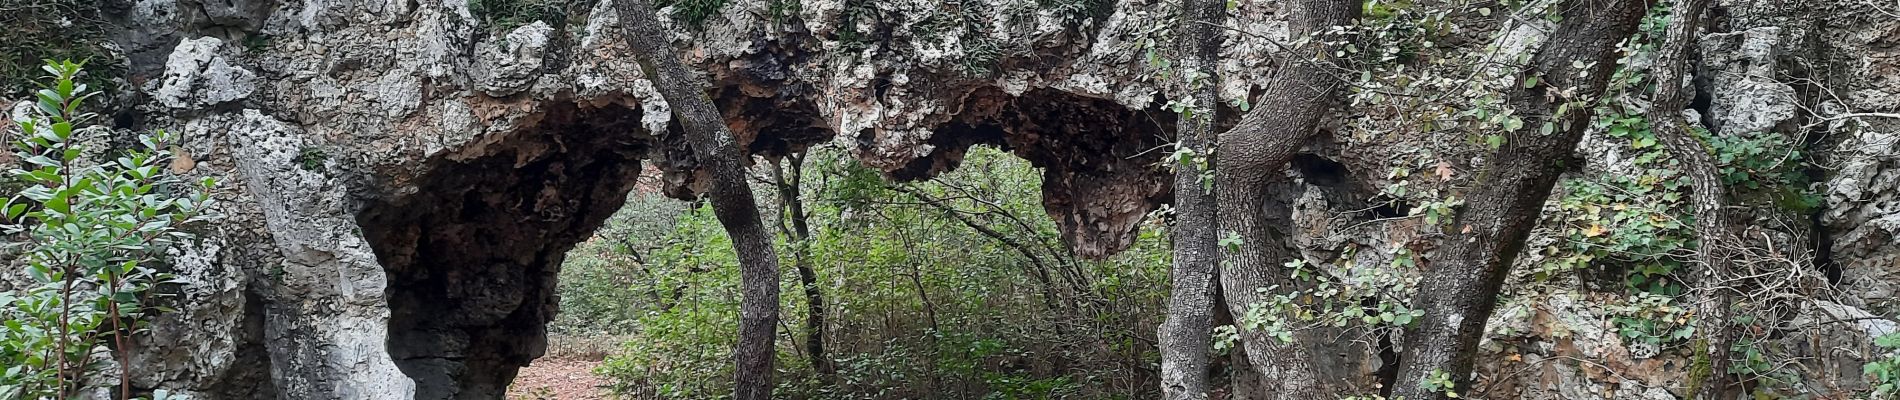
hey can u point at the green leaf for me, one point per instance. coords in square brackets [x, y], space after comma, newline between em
[1891, 340]
[1644, 142]
[1231, 240]
[59, 203]
[1530, 82]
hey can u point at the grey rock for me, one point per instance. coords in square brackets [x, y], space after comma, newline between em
[1747, 96]
[197, 77]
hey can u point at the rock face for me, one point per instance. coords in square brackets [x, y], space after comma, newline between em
[403, 178]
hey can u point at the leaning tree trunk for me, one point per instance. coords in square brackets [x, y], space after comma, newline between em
[1252, 155]
[1707, 379]
[732, 201]
[1185, 337]
[799, 233]
[1459, 290]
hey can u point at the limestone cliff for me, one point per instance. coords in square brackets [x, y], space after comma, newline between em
[403, 177]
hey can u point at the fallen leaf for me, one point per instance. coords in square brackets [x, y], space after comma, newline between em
[1444, 171]
[181, 161]
[1594, 230]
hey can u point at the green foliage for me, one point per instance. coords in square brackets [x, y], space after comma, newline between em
[1884, 372]
[1650, 319]
[1441, 382]
[782, 11]
[682, 336]
[93, 237]
[257, 42]
[1075, 13]
[311, 158]
[506, 15]
[1752, 360]
[921, 304]
[967, 23]
[1765, 168]
[56, 29]
[694, 13]
[859, 25]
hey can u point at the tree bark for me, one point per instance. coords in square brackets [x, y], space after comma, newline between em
[1251, 156]
[1459, 290]
[1708, 380]
[733, 204]
[1185, 337]
[799, 233]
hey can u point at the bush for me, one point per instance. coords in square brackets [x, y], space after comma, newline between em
[91, 236]
[920, 304]
[60, 29]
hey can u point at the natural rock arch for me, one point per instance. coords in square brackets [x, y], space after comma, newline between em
[472, 251]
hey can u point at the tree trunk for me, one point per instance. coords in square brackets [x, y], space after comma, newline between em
[715, 146]
[1707, 380]
[1252, 155]
[1185, 336]
[799, 233]
[1459, 290]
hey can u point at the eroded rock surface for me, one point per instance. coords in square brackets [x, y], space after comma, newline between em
[403, 177]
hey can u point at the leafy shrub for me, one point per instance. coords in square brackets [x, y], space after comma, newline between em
[1884, 373]
[920, 304]
[694, 13]
[59, 29]
[91, 236]
[506, 15]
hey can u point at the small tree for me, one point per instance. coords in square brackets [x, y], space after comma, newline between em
[88, 234]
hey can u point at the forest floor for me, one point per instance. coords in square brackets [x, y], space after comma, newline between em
[567, 371]
[565, 378]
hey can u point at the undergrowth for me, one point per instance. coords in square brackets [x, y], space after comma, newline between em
[36, 30]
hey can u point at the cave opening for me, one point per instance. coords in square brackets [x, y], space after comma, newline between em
[1102, 162]
[472, 254]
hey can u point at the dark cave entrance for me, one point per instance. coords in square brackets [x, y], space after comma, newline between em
[472, 255]
[474, 252]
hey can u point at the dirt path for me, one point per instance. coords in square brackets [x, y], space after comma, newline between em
[563, 378]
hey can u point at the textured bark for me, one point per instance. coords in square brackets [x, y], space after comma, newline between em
[799, 233]
[1708, 195]
[713, 143]
[1185, 337]
[1459, 290]
[1252, 155]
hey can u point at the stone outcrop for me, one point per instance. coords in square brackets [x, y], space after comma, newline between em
[402, 178]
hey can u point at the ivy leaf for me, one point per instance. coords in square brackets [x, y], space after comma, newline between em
[1231, 240]
[1888, 341]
